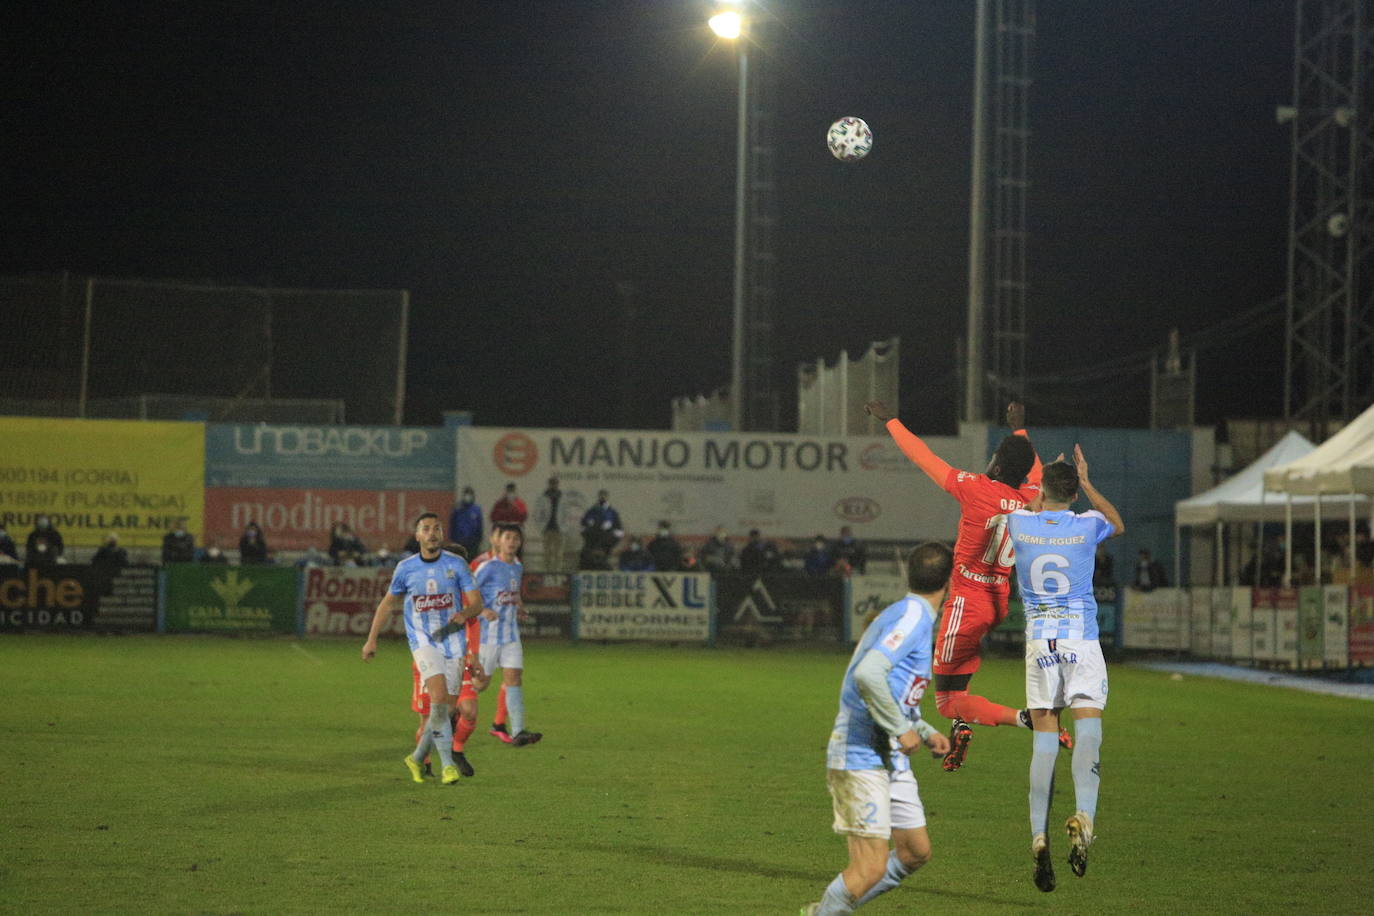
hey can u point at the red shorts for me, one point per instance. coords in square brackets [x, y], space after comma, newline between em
[419, 697]
[968, 616]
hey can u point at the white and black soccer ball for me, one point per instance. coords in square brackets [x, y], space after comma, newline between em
[849, 139]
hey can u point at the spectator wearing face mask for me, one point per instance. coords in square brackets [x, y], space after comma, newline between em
[665, 550]
[42, 528]
[510, 508]
[465, 523]
[717, 554]
[817, 561]
[252, 545]
[178, 545]
[634, 558]
[212, 554]
[9, 551]
[110, 557]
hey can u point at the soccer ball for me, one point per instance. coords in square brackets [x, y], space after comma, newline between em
[849, 139]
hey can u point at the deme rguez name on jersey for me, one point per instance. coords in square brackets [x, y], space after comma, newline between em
[1055, 553]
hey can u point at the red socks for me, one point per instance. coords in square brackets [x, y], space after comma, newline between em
[462, 729]
[960, 704]
[500, 718]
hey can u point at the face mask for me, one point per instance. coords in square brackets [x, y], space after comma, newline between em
[663, 532]
[252, 535]
[467, 499]
[213, 551]
[179, 531]
[820, 545]
[42, 523]
[41, 547]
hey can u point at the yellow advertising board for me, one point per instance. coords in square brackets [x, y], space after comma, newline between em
[91, 477]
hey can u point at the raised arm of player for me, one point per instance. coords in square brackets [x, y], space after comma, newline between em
[1096, 499]
[390, 604]
[1016, 419]
[935, 467]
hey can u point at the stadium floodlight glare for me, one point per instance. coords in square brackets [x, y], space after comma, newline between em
[728, 24]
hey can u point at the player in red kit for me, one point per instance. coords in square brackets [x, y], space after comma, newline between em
[983, 563]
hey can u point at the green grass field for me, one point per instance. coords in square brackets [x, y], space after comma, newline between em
[220, 775]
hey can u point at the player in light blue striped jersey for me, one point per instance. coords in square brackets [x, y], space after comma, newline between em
[1055, 553]
[868, 772]
[437, 586]
[499, 574]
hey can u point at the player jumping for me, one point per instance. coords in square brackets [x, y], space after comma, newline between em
[983, 560]
[1055, 556]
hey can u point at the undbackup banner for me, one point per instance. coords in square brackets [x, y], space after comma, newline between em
[328, 457]
[235, 599]
[661, 607]
[70, 597]
[785, 485]
[759, 610]
[93, 477]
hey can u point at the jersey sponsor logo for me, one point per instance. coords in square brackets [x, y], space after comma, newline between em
[450, 573]
[894, 640]
[515, 454]
[1056, 658]
[982, 577]
[425, 603]
[912, 700]
[858, 509]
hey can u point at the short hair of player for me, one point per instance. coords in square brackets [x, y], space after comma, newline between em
[508, 526]
[928, 567]
[1012, 461]
[424, 515]
[1060, 482]
[459, 549]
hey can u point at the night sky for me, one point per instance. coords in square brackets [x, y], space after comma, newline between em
[510, 162]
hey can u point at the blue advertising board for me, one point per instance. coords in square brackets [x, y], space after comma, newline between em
[334, 457]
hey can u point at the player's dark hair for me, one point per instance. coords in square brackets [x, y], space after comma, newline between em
[928, 567]
[508, 526]
[424, 515]
[1012, 461]
[1060, 482]
[459, 549]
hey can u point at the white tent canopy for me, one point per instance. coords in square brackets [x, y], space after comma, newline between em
[1241, 497]
[1303, 476]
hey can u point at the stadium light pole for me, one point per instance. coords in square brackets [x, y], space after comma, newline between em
[730, 25]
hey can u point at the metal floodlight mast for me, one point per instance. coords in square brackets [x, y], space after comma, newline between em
[1329, 346]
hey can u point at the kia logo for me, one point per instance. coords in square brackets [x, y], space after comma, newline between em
[858, 509]
[515, 454]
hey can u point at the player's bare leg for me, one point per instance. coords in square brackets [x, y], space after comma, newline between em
[867, 862]
[911, 850]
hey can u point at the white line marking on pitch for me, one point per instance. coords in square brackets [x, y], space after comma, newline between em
[310, 655]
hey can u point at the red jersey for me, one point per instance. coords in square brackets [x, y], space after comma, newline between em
[983, 552]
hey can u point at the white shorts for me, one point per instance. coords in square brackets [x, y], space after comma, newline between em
[431, 661]
[506, 655]
[873, 803]
[1065, 672]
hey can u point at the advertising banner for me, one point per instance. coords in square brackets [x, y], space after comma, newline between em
[93, 477]
[213, 598]
[1311, 629]
[328, 457]
[548, 602]
[300, 519]
[661, 607]
[767, 609]
[1361, 640]
[1243, 633]
[340, 600]
[1154, 620]
[297, 481]
[870, 594]
[785, 485]
[1335, 625]
[1274, 618]
[71, 597]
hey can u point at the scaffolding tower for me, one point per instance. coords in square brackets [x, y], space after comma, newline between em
[1329, 347]
[759, 410]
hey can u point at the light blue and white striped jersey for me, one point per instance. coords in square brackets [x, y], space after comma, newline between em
[499, 583]
[434, 593]
[905, 633]
[1054, 567]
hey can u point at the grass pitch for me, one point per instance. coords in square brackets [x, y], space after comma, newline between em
[220, 775]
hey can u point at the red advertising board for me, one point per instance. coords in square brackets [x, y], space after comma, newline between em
[340, 600]
[297, 519]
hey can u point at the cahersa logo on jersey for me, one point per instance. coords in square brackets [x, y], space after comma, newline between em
[432, 600]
